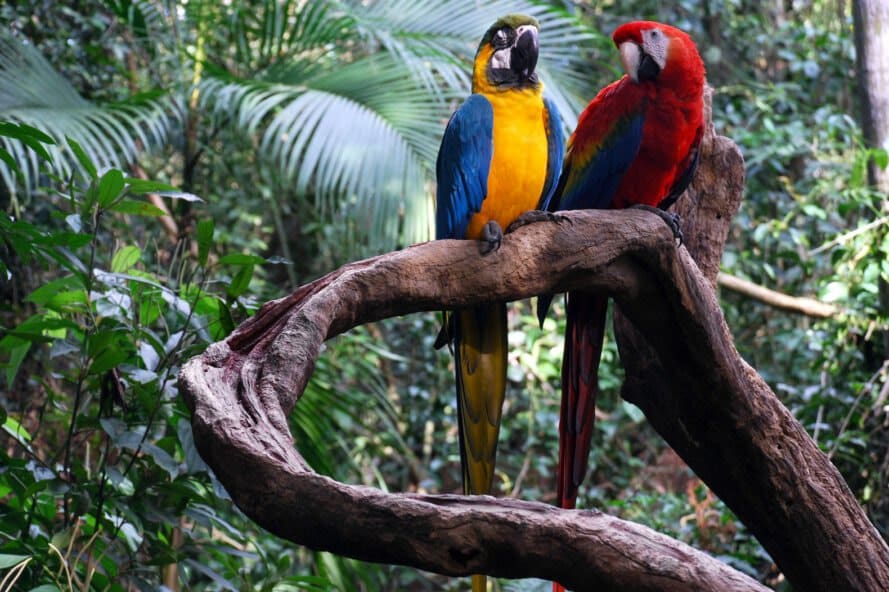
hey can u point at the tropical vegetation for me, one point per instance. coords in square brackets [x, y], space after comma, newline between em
[166, 167]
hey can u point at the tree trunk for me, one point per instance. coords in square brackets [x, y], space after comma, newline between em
[872, 51]
[682, 370]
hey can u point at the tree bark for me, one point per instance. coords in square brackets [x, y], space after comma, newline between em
[872, 48]
[682, 371]
[712, 408]
[871, 19]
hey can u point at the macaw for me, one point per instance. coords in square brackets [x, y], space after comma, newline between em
[500, 156]
[636, 144]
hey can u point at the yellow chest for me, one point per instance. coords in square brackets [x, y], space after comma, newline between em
[518, 165]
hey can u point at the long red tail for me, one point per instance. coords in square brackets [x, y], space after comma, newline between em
[580, 384]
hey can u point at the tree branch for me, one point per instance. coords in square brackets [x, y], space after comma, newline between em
[682, 370]
[799, 304]
[241, 390]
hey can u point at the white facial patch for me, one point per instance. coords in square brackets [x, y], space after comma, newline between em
[501, 58]
[522, 29]
[630, 55]
[654, 43]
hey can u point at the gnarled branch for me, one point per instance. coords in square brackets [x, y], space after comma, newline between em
[720, 417]
[241, 390]
[682, 370]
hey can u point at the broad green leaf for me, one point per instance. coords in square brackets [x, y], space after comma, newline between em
[12, 427]
[193, 461]
[137, 208]
[58, 293]
[18, 349]
[71, 240]
[241, 259]
[205, 240]
[881, 158]
[143, 186]
[120, 482]
[162, 458]
[125, 258]
[240, 282]
[107, 359]
[7, 561]
[110, 186]
[82, 157]
[834, 292]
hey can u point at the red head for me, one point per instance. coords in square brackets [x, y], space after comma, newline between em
[660, 54]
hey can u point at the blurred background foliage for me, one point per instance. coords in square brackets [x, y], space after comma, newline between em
[166, 167]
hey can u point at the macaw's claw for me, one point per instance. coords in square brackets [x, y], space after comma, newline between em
[534, 216]
[492, 236]
[672, 219]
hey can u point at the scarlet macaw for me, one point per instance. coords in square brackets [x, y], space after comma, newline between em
[635, 144]
[500, 156]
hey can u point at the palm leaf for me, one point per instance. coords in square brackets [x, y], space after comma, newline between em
[31, 92]
[418, 31]
[352, 98]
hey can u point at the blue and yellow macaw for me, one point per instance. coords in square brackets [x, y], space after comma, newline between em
[500, 156]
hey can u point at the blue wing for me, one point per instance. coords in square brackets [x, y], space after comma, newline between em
[596, 163]
[555, 142]
[464, 160]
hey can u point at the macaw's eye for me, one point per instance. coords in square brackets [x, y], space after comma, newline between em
[501, 39]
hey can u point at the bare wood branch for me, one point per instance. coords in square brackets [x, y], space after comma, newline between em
[682, 369]
[799, 304]
[240, 391]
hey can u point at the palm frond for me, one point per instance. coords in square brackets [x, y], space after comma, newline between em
[438, 40]
[32, 92]
[342, 151]
[354, 97]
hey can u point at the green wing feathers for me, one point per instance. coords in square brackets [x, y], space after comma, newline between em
[480, 336]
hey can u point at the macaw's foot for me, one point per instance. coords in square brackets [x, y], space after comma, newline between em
[492, 236]
[534, 216]
[672, 219]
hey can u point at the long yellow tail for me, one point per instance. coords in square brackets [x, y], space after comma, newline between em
[479, 584]
[481, 348]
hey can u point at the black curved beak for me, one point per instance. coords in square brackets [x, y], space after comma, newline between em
[648, 68]
[524, 54]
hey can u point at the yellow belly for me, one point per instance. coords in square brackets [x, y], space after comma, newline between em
[518, 165]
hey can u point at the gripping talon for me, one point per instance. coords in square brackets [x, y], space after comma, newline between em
[492, 236]
[672, 219]
[533, 217]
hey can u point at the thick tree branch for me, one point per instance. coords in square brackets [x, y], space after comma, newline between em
[682, 370]
[242, 389]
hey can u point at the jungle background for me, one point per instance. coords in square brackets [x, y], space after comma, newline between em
[167, 167]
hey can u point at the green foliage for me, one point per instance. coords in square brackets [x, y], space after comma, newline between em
[310, 130]
[343, 101]
[102, 479]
